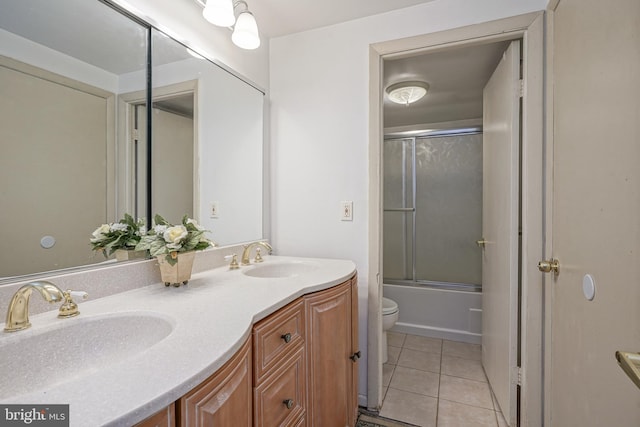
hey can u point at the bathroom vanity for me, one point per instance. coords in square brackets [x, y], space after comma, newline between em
[268, 344]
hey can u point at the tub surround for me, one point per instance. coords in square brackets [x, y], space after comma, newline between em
[212, 317]
[437, 313]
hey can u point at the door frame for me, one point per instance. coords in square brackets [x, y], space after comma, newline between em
[530, 28]
[126, 103]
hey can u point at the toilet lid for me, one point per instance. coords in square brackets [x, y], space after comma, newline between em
[389, 306]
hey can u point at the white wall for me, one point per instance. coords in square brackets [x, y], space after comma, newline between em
[230, 132]
[182, 19]
[319, 141]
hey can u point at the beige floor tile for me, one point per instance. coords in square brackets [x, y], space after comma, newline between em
[393, 353]
[501, 421]
[395, 339]
[430, 345]
[410, 408]
[419, 360]
[387, 372]
[416, 381]
[463, 368]
[453, 414]
[384, 392]
[469, 392]
[462, 349]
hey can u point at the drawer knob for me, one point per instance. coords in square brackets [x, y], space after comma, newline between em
[288, 403]
[355, 356]
[286, 337]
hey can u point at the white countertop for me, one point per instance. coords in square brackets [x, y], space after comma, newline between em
[211, 317]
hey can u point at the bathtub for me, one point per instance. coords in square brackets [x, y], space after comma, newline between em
[436, 312]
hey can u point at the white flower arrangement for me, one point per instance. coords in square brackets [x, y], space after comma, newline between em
[125, 234]
[167, 239]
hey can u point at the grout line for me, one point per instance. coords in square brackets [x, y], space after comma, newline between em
[439, 383]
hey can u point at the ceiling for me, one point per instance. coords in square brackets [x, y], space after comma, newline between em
[281, 17]
[456, 78]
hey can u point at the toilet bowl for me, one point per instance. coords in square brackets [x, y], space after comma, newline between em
[389, 318]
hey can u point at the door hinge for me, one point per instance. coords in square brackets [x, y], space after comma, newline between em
[135, 134]
[521, 88]
[519, 376]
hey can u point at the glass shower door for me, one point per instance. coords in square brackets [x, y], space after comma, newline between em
[399, 209]
[449, 209]
[432, 218]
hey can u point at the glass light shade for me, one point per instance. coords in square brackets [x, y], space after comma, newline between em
[245, 33]
[407, 92]
[219, 12]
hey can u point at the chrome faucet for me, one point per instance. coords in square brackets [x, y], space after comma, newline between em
[247, 251]
[18, 312]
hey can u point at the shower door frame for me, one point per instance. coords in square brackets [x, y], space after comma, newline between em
[414, 281]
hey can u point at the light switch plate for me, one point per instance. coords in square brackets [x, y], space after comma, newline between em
[346, 210]
[214, 210]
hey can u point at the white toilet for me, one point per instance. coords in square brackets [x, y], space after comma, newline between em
[389, 318]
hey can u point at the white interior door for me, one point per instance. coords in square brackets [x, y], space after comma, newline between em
[500, 230]
[596, 213]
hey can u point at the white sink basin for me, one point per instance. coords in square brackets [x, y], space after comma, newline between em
[34, 361]
[281, 269]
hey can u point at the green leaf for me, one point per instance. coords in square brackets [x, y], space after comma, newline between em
[160, 221]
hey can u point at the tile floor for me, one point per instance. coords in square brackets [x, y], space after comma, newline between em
[433, 382]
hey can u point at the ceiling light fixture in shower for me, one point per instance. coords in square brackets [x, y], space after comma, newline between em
[407, 92]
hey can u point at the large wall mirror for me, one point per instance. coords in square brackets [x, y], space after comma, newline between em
[81, 147]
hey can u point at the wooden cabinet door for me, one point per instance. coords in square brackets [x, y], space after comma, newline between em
[355, 351]
[225, 399]
[329, 365]
[163, 418]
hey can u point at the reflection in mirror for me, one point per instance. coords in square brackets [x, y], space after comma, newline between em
[74, 127]
[62, 68]
[207, 144]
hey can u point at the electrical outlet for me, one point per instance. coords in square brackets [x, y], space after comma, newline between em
[346, 211]
[214, 211]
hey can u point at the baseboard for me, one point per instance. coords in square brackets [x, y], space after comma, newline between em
[433, 332]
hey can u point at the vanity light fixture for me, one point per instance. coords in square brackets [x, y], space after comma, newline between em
[222, 13]
[219, 12]
[407, 92]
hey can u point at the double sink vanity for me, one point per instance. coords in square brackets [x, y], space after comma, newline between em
[273, 343]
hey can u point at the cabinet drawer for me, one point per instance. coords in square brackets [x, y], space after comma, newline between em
[281, 398]
[276, 337]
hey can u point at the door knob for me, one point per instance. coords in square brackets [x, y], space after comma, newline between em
[481, 243]
[549, 266]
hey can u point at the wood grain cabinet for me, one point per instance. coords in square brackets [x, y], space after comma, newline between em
[225, 398]
[280, 387]
[332, 355]
[164, 418]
